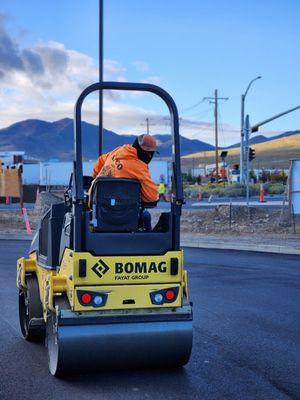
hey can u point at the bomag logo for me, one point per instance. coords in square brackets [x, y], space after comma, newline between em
[100, 268]
[138, 270]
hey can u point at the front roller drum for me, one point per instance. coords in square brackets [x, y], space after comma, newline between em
[77, 348]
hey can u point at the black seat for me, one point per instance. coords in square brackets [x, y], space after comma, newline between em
[115, 204]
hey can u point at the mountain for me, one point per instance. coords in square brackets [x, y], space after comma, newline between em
[274, 153]
[45, 140]
[261, 138]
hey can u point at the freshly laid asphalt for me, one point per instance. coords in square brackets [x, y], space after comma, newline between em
[246, 337]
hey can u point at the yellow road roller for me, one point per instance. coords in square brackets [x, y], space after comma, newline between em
[100, 290]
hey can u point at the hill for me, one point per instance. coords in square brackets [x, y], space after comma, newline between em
[261, 138]
[45, 140]
[274, 153]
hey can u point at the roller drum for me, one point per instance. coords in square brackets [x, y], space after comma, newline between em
[118, 346]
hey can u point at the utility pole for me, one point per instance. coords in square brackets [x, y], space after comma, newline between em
[100, 132]
[148, 124]
[214, 100]
[216, 136]
[247, 130]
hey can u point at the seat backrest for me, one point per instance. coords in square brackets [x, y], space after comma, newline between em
[116, 204]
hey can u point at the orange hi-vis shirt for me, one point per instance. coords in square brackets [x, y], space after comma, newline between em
[123, 162]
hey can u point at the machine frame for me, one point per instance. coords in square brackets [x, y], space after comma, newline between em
[132, 329]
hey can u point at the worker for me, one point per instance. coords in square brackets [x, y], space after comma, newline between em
[162, 191]
[131, 161]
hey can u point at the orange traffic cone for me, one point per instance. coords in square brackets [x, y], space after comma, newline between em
[262, 193]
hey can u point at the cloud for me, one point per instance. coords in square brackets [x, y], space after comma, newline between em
[9, 52]
[32, 62]
[54, 55]
[44, 80]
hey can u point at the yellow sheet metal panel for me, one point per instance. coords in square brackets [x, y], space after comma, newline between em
[133, 270]
[122, 297]
[24, 265]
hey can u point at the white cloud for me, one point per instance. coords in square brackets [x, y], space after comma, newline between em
[49, 88]
[45, 80]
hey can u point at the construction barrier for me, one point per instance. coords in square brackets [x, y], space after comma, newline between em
[262, 193]
[26, 220]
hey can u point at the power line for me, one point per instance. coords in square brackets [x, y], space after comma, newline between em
[222, 129]
[191, 107]
[201, 114]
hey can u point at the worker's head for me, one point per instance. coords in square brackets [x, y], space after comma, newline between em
[145, 146]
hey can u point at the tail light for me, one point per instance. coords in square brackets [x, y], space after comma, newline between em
[86, 298]
[92, 299]
[159, 297]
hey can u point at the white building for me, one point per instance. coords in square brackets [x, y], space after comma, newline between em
[58, 173]
[12, 157]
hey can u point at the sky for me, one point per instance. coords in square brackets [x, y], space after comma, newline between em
[49, 53]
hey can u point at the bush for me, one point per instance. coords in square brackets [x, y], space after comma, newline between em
[231, 191]
[278, 177]
[274, 188]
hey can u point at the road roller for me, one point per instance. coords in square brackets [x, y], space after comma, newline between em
[101, 291]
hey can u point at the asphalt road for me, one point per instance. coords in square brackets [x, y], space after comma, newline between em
[246, 328]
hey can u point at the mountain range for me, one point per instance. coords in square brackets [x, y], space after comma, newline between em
[47, 140]
[261, 138]
[54, 140]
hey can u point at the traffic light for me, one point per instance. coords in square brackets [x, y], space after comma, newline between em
[251, 154]
[224, 155]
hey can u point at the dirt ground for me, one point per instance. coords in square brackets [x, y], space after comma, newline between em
[257, 222]
[235, 221]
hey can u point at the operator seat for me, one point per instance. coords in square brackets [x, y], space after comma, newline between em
[115, 204]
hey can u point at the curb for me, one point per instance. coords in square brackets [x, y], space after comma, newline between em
[266, 248]
[202, 244]
[15, 237]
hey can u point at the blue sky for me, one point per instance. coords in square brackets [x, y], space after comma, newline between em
[190, 48]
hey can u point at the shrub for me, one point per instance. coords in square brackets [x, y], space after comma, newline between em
[278, 177]
[274, 188]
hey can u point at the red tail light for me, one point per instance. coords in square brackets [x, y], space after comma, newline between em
[86, 298]
[170, 294]
[159, 297]
[92, 298]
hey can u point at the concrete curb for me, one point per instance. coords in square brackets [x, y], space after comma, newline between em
[15, 237]
[264, 248]
[203, 244]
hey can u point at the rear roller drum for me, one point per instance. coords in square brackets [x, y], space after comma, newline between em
[31, 311]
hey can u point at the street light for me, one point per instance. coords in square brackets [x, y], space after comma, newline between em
[242, 177]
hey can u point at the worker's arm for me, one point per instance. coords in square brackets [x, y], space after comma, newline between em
[99, 165]
[149, 190]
